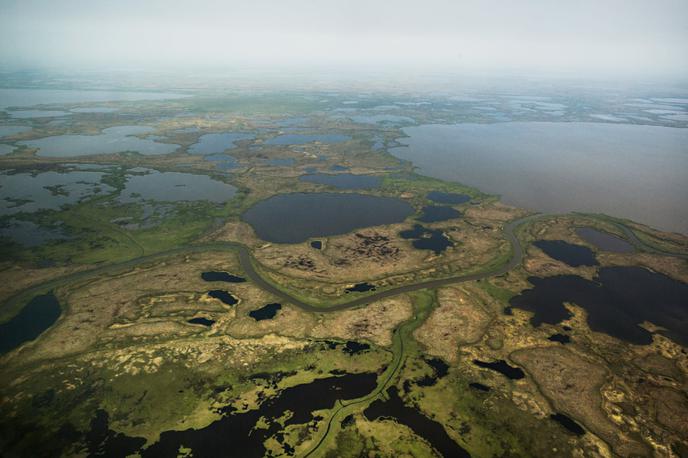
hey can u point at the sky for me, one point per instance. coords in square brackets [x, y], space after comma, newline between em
[579, 37]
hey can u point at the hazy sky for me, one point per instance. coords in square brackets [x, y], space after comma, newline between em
[632, 37]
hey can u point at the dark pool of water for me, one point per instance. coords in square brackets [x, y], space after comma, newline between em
[360, 288]
[604, 240]
[568, 423]
[344, 180]
[439, 370]
[148, 184]
[317, 244]
[568, 253]
[201, 320]
[32, 192]
[266, 312]
[104, 442]
[339, 168]
[436, 213]
[450, 198]
[617, 301]
[427, 239]
[561, 338]
[236, 434]
[501, 366]
[352, 347]
[479, 387]
[294, 218]
[218, 142]
[224, 296]
[222, 276]
[430, 430]
[281, 162]
[222, 161]
[38, 314]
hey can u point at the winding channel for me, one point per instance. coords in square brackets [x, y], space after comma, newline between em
[247, 265]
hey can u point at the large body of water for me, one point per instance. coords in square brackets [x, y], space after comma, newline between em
[631, 171]
[14, 97]
[112, 140]
[296, 217]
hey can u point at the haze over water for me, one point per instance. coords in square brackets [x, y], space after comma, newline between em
[630, 171]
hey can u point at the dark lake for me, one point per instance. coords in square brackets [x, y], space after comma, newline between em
[568, 423]
[568, 253]
[344, 180]
[294, 218]
[561, 338]
[450, 198]
[38, 314]
[617, 301]
[317, 244]
[360, 288]
[225, 296]
[555, 167]
[479, 386]
[236, 434]
[222, 276]
[201, 320]
[437, 213]
[430, 430]
[501, 366]
[266, 312]
[427, 239]
[439, 370]
[217, 143]
[604, 240]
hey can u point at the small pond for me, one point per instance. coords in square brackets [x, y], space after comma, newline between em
[360, 288]
[427, 239]
[604, 240]
[202, 321]
[568, 423]
[568, 253]
[437, 213]
[222, 276]
[218, 143]
[297, 217]
[479, 386]
[561, 338]
[281, 162]
[225, 296]
[501, 366]
[266, 312]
